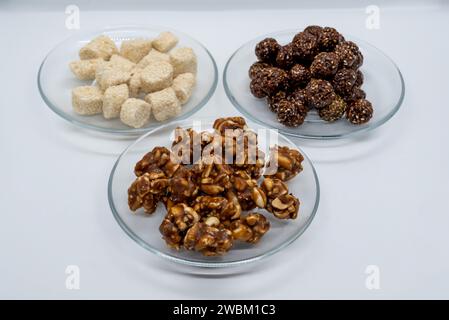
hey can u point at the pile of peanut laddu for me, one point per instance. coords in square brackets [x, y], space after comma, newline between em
[209, 204]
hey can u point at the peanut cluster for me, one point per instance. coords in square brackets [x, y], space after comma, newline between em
[210, 182]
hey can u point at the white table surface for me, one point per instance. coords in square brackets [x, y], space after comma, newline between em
[384, 194]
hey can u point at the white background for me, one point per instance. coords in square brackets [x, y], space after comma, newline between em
[384, 194]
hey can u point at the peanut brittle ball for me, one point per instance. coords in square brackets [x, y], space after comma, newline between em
[344, 81]
[334, 111]
[284, 207]
[299, 75]
[291, 114]
[289, 164]
[319, 93]
[349, 55]
[324, 65]
[305, 46]
[285, 56]
[250, 228]
[329, 39]
[256, 67]
[359, 111]
[267, 49]
[210, 241]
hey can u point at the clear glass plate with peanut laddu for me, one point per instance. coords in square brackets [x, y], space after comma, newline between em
[213, 193]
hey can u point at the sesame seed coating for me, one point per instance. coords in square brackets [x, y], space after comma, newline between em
[359, 111]
[334, 111]
[324, 65]
[299, 75]
[319, 93]
[256, 67]
[267, 49]
[291, 114]
[344, 81]
[285, 56]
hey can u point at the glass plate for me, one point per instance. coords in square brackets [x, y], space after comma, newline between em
[144, 229]
[384, 87]
[55, 80]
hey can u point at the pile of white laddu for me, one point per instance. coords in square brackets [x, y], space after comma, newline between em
[145, 77]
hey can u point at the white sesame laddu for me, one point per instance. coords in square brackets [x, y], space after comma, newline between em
[164, 104]
[134, 50]
[165, 41]
[183, 60]
[122, 63]
[85, 69]
[183, 86]
[101, 47]
[153, 56]
[135, 112]
[87, 100]
[113, 98]
[108, 75]
[156, 76]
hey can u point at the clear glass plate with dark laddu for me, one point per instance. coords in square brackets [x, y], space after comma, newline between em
[315, 83]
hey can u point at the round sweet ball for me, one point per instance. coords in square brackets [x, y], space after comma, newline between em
[299, 96]
[325, 65]
[354, 95]
[256, 88]
[334, 111]
[285, 57]
[360, 79]
[289, 114]
[329, 39]
[359, 112]
[256, 67]
[320, 93]
[344, 81]
[274, 99]
[273, 79]
[299, 102]
[267, 49]
[349, 55]
[299, 75]
[316, 31]
[305, 46]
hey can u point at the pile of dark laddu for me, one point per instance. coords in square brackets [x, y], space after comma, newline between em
[318, 70]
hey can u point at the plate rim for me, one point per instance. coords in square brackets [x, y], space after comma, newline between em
[212, 264]
[126, 131]
[356, 131]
